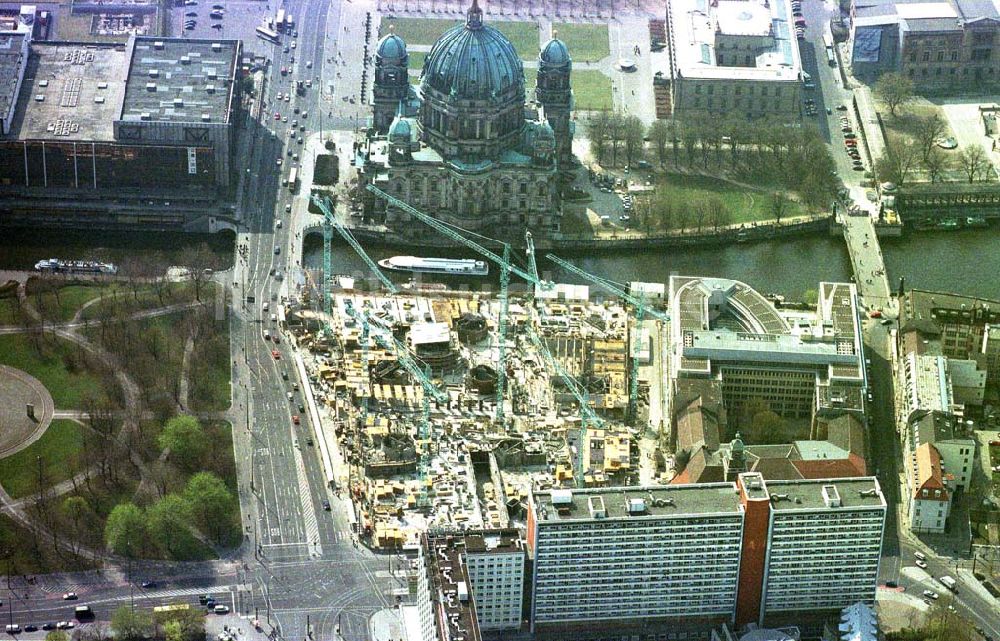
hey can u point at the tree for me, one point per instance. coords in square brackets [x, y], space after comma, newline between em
[616, 134]
[75, 508]
[181, 625]
[973, 161]
[57, 635]
[211, 504]
[129, 625]
[779, 205]
[185, 438]
[810, 297]
[719, 214]
[598, 127]
[894, 90]
[765, 428]
[660, 134]
[200, 261]
[125, 530]
[634, 131]
[896, 163]
[168, 523]
[935, 163]
[681, 460]
[927, 132]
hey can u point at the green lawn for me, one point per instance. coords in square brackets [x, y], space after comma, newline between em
[745, 205]
[70, 298]
[591, 90]
[210, 371]
[146, 297]
[417, 59]
[58, 366]
[586, 42]
[59, 445]
[426, 31]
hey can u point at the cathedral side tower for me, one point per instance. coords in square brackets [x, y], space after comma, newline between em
[391, 82]
[555, 94]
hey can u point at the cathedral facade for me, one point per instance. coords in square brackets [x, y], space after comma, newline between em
[465, 146]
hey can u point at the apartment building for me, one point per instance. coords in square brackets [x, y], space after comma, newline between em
[801, 366]
[495, 562]
[930, 500]
[953, 444]
[733, 57]
[635, 556]
[940, 46]
[926, 385]
[685, 558]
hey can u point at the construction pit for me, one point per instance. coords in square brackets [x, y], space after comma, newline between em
[411, 383]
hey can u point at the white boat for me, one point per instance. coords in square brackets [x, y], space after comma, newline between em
[449, 266]
[75, 266]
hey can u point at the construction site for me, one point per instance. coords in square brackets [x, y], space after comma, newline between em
[449, 406]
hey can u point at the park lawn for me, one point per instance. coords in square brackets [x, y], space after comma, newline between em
[57, 447]
[210, 371]
[426, 31]
[9, 311]
[220, 451]
[67, 384]
[417, 60]
[22, 557]
[70, 299]
[145, 297]
[591, 90]
[586, 42]
[745, 205]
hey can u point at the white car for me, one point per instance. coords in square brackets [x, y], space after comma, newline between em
[931, 595]
[920, 564]
[309, 64]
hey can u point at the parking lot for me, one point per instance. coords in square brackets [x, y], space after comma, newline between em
[239, 19]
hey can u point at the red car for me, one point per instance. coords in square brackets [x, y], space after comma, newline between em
[276, 354]
[876, 314]
[295, 419]
[277, 116]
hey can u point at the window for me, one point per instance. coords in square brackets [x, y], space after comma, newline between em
[926, 56]
[697, 89]
[913, 57]
[940, 56]
[954, 56]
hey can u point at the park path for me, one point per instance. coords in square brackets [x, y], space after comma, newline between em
[185, 382]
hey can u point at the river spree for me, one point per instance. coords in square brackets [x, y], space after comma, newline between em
[966, 262]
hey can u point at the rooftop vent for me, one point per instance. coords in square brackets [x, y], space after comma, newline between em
[205, 117]
[562, 497]
[212, 74]
[779, 497]
[185, 60]
[154, 73]
[636, 506]
[831, 497]
[144, 116]
[102, 85]
[43, 83]
[872, 492]
[99, 99]
[158, 44]
[150, 86]
[178, 102]
[597, 510]
[39, 97]
[210, 88]
[216, 46]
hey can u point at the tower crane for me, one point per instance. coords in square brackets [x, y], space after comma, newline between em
[330, 222]
[430, 390]
[587, 415]
[639, 310]
[506, 268]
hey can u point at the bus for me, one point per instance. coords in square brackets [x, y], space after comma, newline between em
[831, 59]
[293, 178]
[279, 22]
[267, 34]
[176, 607]
[289, 22]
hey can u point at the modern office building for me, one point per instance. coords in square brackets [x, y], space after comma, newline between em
[690, 557]
[733, 57]
[802, 366]
[137, 135]
[940, 46]
[495, 562]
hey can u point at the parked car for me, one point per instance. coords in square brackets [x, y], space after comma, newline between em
[70, 596]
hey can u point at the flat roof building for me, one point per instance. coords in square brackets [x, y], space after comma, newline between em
[690, 557]
[733, 57]
[95, 122]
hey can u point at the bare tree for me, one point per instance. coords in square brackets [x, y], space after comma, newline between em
[779, 205]
[719, 214]
[598, 127]
[935, 163]
[895, 90]
[616, 134]
[660, 134]
[927, 132]
[897, 162]
[974, 162]
[634, 131]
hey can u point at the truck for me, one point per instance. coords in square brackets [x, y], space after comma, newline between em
[949, 583]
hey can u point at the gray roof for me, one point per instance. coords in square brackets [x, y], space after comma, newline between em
[180, 80]
[660, 501]
[975, 9]
[933, 24]
[808, 494]
[10, 69]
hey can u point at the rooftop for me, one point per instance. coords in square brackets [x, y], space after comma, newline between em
[697, 23]
[927, 384]
[11, 46]
[644, 501]
[180, 80]
[451, 588]
[808, 494]
[934, 426]
[941, 307]
[929, 475]
[493, 541]
[71, 91]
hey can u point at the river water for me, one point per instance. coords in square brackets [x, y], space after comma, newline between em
[966, 262]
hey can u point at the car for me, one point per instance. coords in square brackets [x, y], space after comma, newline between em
[302, 408]
[277, 116]
[191, 14]
[288, 98]
[31, 627]
[295, 419]
[284, 119]
[277, 223]
[64, 625]
[841, 107]
[221, 609]
[278, 162]
[295, 123]
[326, 504]
[858, 168]
[12, 628]
[305, 114]
[948, 143]
[218, 6]
[276, 354]
[286, 49]
[217, 26]
[215, 15]
[288, 209]
[931, 595]
[294, 44]
[302, 127]
[300, 140]
[920, 564]
[277, 250]
[148, 584]
[309, 441]
[70, 596]
[309, 64]
[49, 626]
[189, 26]
[203, 599]
[288, 152]
[309, 83]
[891, 584]
[295, 34]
